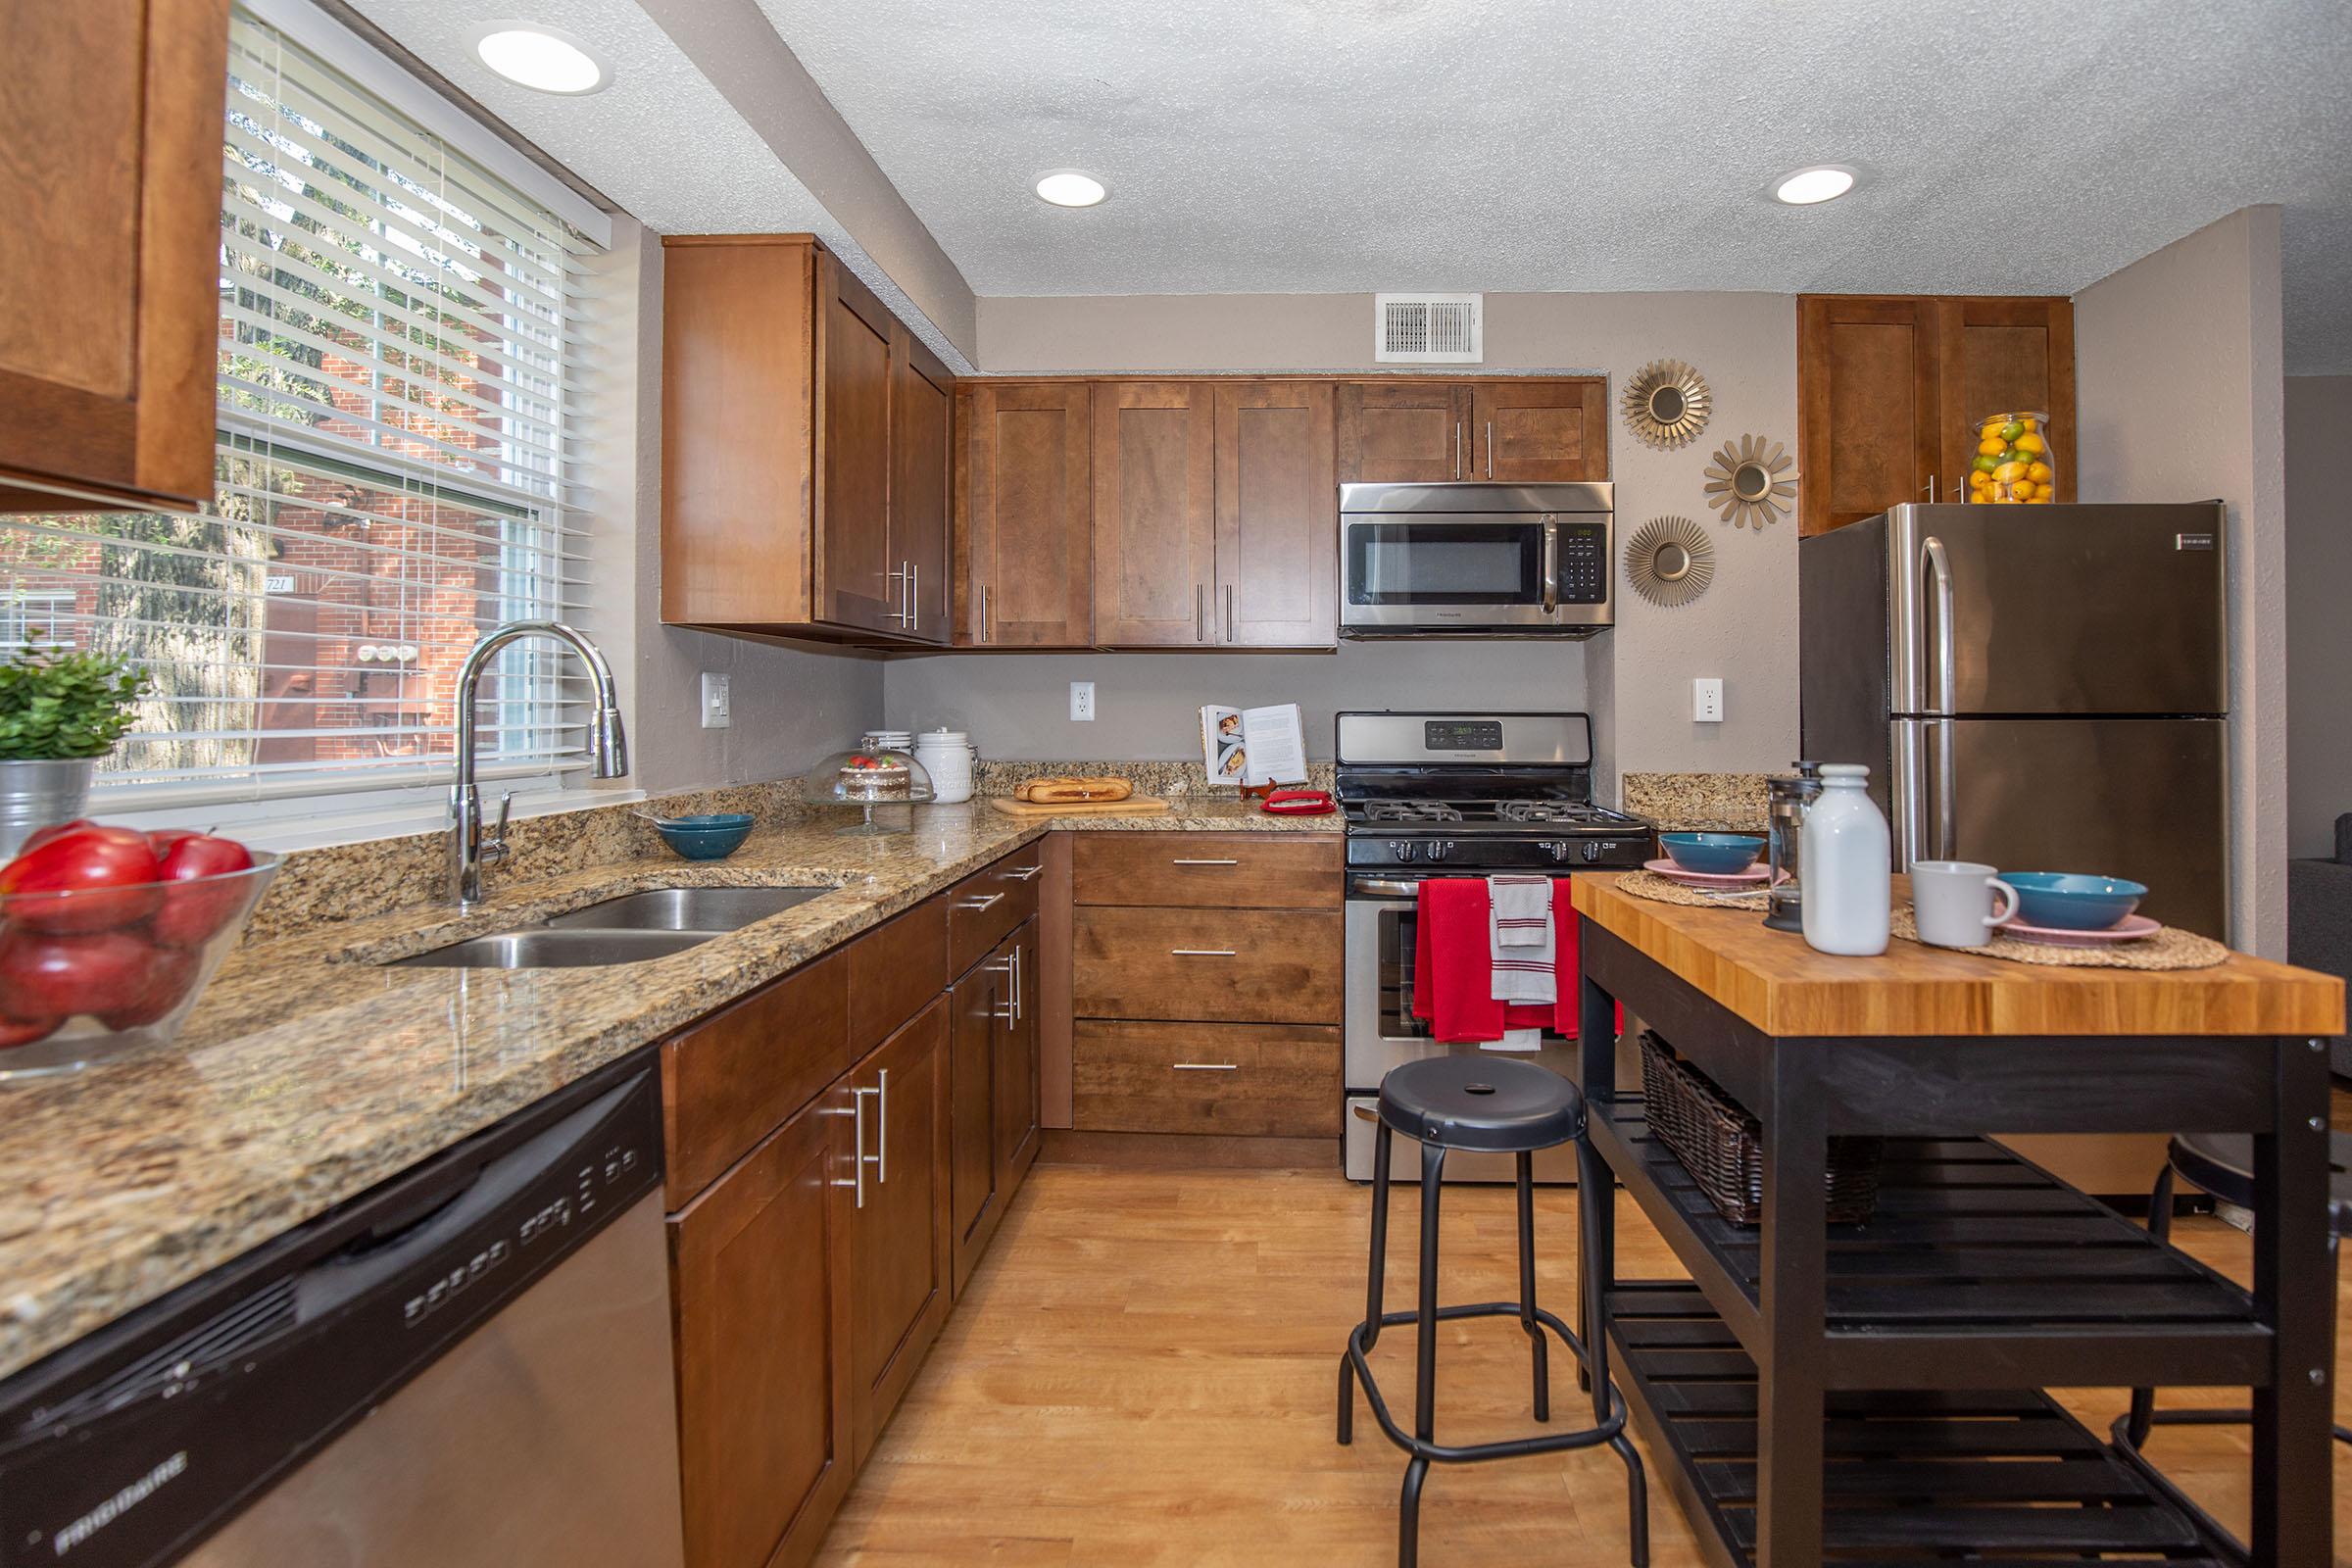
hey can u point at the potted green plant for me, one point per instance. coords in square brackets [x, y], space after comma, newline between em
[61, 709]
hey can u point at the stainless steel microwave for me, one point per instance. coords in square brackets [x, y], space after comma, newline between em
[1475, 560]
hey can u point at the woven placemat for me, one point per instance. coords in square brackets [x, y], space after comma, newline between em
[2169, 947]
[1659, 890]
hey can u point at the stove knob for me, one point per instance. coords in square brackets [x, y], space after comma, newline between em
[1439, 848]
[1559, 851]
[1401, 849]
[1592, 849]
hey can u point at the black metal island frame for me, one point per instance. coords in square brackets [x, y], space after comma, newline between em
[1875, 1393]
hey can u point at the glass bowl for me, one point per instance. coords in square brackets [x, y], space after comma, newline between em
[2013, 461]
[91, 974]
[880, 777]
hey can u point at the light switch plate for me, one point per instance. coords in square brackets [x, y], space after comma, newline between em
[1706, 700]
[718, 711]
[1082, 701]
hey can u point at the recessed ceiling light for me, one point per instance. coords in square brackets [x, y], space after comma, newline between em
[1823, 182]
[1067, 187]
[539, 57]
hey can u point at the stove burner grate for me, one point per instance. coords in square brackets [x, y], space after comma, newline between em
[1412, 811]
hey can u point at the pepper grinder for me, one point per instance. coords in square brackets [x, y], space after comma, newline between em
[1787, 799]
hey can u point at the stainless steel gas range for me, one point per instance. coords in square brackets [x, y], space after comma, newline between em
[1453, 795]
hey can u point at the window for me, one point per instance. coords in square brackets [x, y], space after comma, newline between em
[397, 394]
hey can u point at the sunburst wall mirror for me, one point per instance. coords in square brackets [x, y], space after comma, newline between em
[1667, 404]
[1670, 561]
[1750, 485]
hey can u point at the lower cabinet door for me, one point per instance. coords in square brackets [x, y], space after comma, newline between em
[900, 1288]
[976, 1007]
[760, 1270]
[1016, 1110]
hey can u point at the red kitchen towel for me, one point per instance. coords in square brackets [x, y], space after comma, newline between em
[1566, 929]
[1453, 973]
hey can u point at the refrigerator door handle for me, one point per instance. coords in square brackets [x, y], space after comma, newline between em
[1939, 589]
[1944, 806]
[1907, 793]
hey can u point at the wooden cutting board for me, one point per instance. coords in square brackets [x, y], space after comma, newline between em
[1131, 805]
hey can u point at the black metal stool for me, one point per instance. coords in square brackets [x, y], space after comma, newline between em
[2222, 1165]
[1499, 1107]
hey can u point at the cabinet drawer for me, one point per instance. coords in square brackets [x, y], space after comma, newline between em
[1207, 870]
[729, 1081]
[1260, 1080]
[895, 970]
[1227, 965]
[986, 905]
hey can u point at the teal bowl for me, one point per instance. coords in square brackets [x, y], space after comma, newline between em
[704, 838]
[2070, 900]
[1712, 854]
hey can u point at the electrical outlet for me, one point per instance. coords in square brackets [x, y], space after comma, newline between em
[717, 713]
[1082, 701]
[1706, 700]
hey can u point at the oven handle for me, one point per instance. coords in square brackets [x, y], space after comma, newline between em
[1384, 886]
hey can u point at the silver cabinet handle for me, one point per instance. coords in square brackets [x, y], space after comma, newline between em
[1010, 1011]
[1490, 449]
[1551, 565]
[980, 630]
[986, 901]
[1200, 953]
[882, 1125]
[1026, 874]
[1230, 634]
[1200, 612]
[1457, 449]
[1182, 860]
[857, 1154]
[1016, 982]
[1205, 1066]
[914, 596]
[1931, 487]
[898, 578]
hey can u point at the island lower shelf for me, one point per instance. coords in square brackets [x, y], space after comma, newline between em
[1909, 1476]
[1977, 1270]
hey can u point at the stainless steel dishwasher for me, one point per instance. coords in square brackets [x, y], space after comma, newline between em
[467, 1367]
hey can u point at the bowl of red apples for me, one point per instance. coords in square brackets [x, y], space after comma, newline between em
[109, 935]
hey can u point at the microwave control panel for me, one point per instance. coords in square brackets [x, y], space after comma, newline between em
[1584, 562]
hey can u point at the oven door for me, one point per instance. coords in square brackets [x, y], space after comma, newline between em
[1466, 571]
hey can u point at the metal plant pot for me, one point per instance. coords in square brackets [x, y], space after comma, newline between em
[34, 795]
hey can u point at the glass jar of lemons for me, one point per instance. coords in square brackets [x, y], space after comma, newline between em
[2013, 462]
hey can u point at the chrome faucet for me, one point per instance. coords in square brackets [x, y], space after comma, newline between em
[608, 751]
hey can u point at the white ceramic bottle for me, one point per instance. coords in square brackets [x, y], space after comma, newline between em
[1847, 856]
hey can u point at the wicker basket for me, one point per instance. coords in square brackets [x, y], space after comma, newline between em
[1719, 1144]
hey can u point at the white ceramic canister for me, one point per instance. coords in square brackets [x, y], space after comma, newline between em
[947, 755]
[1847, 855]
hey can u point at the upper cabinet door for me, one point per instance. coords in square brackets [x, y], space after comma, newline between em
[858, 578]
[923, 398]
[1278, 525]
[1404, 432]
[1868, 428]
[1540, 431]
[1154, 517]
[1030, 518]
[2004, 356]
[110, 312]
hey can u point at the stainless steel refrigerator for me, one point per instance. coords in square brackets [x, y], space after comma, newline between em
[2043, 688]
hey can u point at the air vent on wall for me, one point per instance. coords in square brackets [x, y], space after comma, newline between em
[1426, 328]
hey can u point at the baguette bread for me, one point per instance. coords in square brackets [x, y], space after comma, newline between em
[1064, 790]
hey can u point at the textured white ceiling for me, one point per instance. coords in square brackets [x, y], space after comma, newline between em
[1311, 145]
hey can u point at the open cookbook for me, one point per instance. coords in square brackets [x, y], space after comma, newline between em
[1253, 745]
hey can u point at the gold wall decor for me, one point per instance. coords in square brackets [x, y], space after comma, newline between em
[1750, 485]
[1670, 561]
[1667, 404]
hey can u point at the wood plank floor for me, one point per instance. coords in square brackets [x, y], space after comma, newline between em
[1143, 1372]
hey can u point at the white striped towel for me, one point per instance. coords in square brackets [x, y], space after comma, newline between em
[1519, 908]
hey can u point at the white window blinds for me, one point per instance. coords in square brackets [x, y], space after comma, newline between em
[396, 392]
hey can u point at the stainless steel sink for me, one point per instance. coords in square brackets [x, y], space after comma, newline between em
[707, 909]
[543, 948]
[629, 929]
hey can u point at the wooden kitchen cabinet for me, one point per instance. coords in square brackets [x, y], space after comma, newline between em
[1886, 387]
[1540, 431]
[1223, 965]
[1277, 514]
[806, 449]
[1245, 1080]
[992, 1019]
[1207, 870]
[1025, 544]
[899, 1241]
[1018, 1119]
[1155, 463]
[731, 1079]
[1406, 430]
[110, 319]
[760, 1266]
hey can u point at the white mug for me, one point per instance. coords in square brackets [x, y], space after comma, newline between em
[1955, 902]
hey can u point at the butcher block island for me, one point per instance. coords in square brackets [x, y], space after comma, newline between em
[1878, 1389]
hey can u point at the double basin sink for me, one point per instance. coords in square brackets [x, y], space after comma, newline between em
[629, 929]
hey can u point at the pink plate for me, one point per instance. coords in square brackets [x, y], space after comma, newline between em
[2130, 928]
[1708, 879]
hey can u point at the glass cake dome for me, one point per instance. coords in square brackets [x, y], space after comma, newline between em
[868, 777]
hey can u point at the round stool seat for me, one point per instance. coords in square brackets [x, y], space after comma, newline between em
[2222, 1163]
[1482, 1102]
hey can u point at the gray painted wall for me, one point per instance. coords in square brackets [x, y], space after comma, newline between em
[792, 703]
[1635, 680]
[2177, 371]
[2319, 599]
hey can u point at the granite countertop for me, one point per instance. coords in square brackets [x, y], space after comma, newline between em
[309, 1074]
